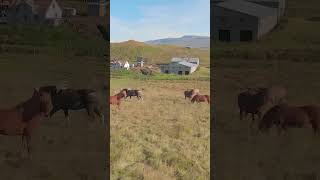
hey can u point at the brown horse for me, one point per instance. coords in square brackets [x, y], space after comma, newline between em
[22, 119]
[285, 116]
[116, 99]
[201, 98]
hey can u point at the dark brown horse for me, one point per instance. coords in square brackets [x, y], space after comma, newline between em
[250, 102]
[116, 99]
[74, 99]
[285, 116]
[22, 119]
[201, 98]
[133, 92]
[191, 93]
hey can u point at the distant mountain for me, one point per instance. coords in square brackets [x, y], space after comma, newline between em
[185, 41]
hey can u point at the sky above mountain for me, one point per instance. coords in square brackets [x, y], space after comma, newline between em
[143, 20]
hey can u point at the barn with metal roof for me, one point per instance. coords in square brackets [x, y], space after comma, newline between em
[180, 66]
[242, 20]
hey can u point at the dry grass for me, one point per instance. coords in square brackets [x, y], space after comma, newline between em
[245, 156]
[76, 152]
[162, 136]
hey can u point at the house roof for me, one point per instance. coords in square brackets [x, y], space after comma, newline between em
[185, 63]
[42, 6]
[176, 59]
[248, 8]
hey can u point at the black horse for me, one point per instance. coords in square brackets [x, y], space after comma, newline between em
[73, 99]
[133, 92]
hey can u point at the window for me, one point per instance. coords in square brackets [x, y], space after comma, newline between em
[180, 72]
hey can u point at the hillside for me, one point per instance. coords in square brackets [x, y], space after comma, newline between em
[155, 53]
[184, 41]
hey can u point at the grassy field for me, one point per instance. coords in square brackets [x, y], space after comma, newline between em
[76, 152]
[162, 136]
[268, 156]
[289, 57]
[34, 56]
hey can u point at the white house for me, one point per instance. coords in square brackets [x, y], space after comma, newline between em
[126, 65]
[48, 11]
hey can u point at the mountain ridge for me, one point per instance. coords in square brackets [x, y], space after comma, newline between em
[191, 41]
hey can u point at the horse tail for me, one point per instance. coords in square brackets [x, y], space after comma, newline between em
[208, 98]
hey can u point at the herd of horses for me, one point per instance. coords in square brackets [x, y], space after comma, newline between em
[193, 94]
[272, 108]
[22, 119]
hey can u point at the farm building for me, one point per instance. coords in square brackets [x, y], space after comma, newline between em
[280, 5]
[180, 66]
[48, 11]
[68, 12]
[140, 61]
[21, 12]
[31, 11]
[97, 7]
[242, 21]
[4, 7]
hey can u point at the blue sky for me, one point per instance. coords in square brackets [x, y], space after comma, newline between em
[143, 20]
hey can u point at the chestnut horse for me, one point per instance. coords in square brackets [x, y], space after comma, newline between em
[22, 119]
[201, 98]
[116, 99]
[285, 116]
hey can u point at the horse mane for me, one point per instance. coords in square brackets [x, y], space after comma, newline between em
[28, 108]
[49, 89]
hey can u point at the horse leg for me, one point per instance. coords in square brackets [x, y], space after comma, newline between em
[66, 115]
[252, 121]
[28, 137]
[54, 110]
[97, 111]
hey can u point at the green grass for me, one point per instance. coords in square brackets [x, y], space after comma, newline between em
[202, 74]
[48, 40]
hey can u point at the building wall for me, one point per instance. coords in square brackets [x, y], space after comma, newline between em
[54, 11]
[266, 25]
[233, 23]
[21, 14]
[97, 7]
[174, 68]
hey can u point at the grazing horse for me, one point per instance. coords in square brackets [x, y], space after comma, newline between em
[116, 99]
[74, 99]
[133, 92]
[190, 93]
[22, 119]
[251, 101]
[201, 98]
[285, 116]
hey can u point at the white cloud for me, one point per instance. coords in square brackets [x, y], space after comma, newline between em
[164, 21]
